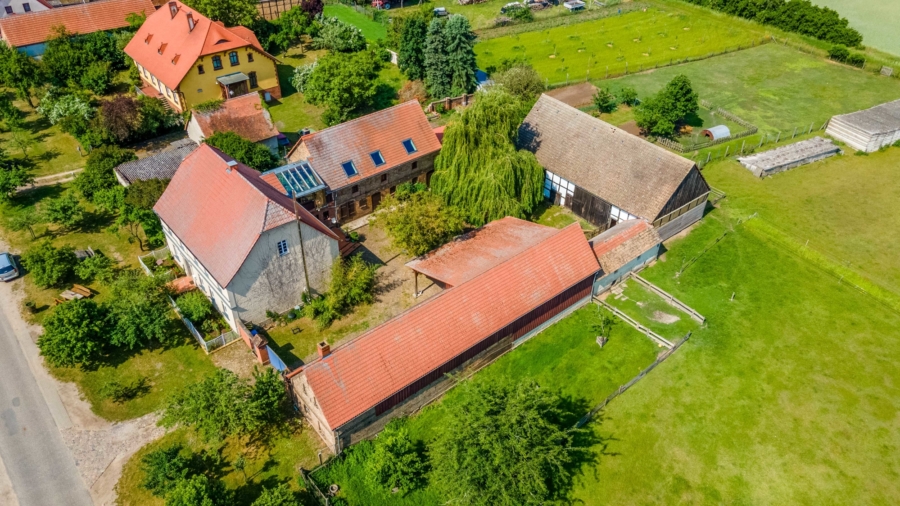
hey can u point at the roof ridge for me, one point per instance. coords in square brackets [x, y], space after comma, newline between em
[354, 121]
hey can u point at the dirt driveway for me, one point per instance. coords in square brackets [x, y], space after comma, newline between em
[576, 95]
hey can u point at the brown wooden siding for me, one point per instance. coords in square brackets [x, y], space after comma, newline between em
[590, 207]
[692, 187]
[514, 330]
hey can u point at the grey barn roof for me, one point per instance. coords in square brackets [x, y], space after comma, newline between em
[622, 169]
[792, 155]
[161, 165]
[880, 119]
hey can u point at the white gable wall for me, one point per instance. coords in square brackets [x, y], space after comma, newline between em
[18, 7]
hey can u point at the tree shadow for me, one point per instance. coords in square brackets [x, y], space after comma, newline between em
[48, 155]
[589, 446]
[384, 98]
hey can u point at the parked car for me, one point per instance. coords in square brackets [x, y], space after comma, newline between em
[511, 6]
[440, 11]
[8, 269]
[381, 4]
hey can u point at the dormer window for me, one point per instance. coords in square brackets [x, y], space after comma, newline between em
[349, 168]
[377, 159]
[173, 9]
[162, 47]
[175, 59]
[191, 22]
[147, 40]
[409, 146]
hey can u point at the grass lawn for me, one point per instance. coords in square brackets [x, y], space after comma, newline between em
[558, 217]
[774, 87]
[877, 21]
[564, 357]
[52, 151]
[267, 464]
[789, 397]
[642, 39]
[845, 206]
[652, 311]
[372, 30]
[297, 340]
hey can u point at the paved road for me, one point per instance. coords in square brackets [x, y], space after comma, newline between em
[38, 463]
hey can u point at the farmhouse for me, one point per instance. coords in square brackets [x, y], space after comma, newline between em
[606, 175]
[244, 115]
[790, 156]
[868, 130]
[186, 58]
[30, 33]
[348, 393]
[622, 249]
[360, 161]
[246, 246]
[161, 165]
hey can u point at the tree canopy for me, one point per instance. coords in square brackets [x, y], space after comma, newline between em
[480, 170]
[521, 81]
[397, 461]
[49, 265]
[140, 312]
[660, 114]
[244, 150]
[352, 284]
[344, 84]
[411, 57]
[419, 222]
[335, 35]
[229, 12]
[73, 333]
[449, 57]
[98, 170]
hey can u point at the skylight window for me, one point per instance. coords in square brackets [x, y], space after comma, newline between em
[349, 168]
[410, 147]
[377, 159]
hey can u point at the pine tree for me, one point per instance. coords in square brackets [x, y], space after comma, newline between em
[460, 55]
[412, 45]
[436, 77]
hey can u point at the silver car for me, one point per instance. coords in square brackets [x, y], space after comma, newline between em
[8, 269]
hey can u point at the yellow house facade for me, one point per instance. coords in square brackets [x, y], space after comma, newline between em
[185, 58]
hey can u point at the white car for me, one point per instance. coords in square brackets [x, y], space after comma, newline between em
[8, 269]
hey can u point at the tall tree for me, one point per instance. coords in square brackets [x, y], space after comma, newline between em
[344, 84]
[229, 12]
[20, 72]
[289, 27]
[13, 175]
[480, 170]
[140, 311]
[436, 60]
[418, 223]
[98, 171]
[660, 114]
[411, 59]
[461, 64]
[73, 333]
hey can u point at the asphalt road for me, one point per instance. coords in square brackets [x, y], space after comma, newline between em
[38, 463]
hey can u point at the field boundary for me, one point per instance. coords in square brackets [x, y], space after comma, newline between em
[634, 323]
[669, 298]
[564, 20]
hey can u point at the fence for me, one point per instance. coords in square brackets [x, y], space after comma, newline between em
[765, 138]
[276, 362]
[681, 148]
[451, 103]
[631, 321]
[669, 298]
[377, 15]
[160, 254]
[544, 24]
[272, 9]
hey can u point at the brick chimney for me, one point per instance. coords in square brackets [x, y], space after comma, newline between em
[324, 349]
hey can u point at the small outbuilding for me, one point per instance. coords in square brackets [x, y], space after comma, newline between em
[244, 115]
[717, 132]
[623, 249]
[161, 165]
[868, 130]
[790, 156]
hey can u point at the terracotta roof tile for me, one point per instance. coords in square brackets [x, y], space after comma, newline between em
[219, 213]
[624, 170]
[358, 375]
[623, 243]
[471, 254]
[354, 140]
[36, 27]
[244, 115]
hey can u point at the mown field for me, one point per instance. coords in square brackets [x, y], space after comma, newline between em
[656, 36]
[876, 20]
[371, 29]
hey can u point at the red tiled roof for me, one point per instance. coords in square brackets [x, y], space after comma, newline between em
[244, 115]
[623, 243]
[36, 27]
[162, 37]
[471, 254]
[219, 215]
[367, 370]
[384, 130]
[439, 133]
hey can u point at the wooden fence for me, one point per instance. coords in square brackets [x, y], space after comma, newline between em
[682, 148]
[272, 9]
[669, 298]
[448, 104]
[634, 323]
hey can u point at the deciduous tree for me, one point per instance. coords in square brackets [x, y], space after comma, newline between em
[411, 57]
[199, 490]
[276, 496]
[352, 284]
[73, 333]
[521, 81]
[65, 211]
[229, 12]
[335, 35]
[49, 265]
[659, 115]
[98, 170]
[243, 150]
[397, 460]
[164, 468]
[140, 312]
[344, 84]
[13, 175]
[418, 223]
[605, 100]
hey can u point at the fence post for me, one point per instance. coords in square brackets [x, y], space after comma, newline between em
[726, 151]
[810, 129]
[778, 138]
[708, 154]
[607, 72]
[742, 146]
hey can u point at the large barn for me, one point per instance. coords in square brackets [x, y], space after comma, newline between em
[350, 390]
[607, 175]
[868, 130]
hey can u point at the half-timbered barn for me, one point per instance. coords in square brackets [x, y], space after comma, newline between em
[607, 175]
[350, 392]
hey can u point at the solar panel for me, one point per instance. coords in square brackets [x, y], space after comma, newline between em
[377, 159]
[349, 168]
[410, 147]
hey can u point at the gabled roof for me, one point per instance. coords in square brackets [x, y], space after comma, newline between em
[875, 120]
[471, 254]
[243, 115]
[354, 140]
[168, 48]
[161, 165]
[218, 211]
[360, 374]
[620, 168]
[623, 243]
[36, 27]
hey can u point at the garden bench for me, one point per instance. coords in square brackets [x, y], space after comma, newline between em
[82, 290]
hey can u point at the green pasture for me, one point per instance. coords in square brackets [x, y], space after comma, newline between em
[640, 40]
[876, 20]
[652, 311]
[774, 87]
[371, 29]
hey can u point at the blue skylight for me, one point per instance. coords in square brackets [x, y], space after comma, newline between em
[349, 168]
[410, 147]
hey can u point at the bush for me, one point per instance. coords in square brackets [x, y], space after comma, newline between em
[98, 171]
[65, 211]
[163, 468]
[301, 76]
[520, 14]
[98, 267]
[352, 284]
[839, 53]
[97, 78]
[276, 496]
[628, 96]
[418, 222]
[120, 393]
[521, 81]
[144, 194]
[194, 306]
[48, 265]
[73, 333]
[397, 461]
[209, 105]
[199, 490]
[857, 60]
[243, 150]
[605, 101]
[335, 35]
[413, 90]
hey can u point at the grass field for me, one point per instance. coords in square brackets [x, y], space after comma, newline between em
[652, 311]
[372, 30]
[640, 39]
[877, 21]
[52, 150]
[773, 87]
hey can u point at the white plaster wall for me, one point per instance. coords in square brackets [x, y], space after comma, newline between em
[18, 7]
[194, 132]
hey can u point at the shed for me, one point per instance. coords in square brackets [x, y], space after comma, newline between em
[622, 249]
[244, 115]
[717, 132]
[790, 156]
[868, 130]
[160, 165]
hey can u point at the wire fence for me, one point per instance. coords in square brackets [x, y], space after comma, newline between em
[765, 139]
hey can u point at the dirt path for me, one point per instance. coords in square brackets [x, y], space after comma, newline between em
[576, 95]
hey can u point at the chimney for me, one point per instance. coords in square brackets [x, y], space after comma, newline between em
[231, 164]
[173, 9]
[190, 18]
[324, 349]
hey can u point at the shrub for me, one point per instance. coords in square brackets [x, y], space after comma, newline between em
[194, 305]
[209, 105]
[144, 194]
[397, 461]
[97, 77]
[521, 81]
[163, 468]
[335, 35]
[352, 284]
[98, 171]
[73, 333]
[520, 14]
[122, 392]
[243, 150]
[199, 490]
[605, 100]
[857, 60]
[418, 222]
[98, 267]
[838, 53]
[48, 265]
[301, 76]
[628, 96]
[276, 496]
[413, 90]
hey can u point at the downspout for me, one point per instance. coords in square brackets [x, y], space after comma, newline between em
[302, 249]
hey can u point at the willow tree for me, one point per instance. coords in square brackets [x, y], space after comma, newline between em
[480, 170]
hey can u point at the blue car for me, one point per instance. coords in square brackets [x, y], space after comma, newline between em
[8, 269]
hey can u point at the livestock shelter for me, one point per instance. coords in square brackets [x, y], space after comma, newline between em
[350, 392]
[790, 156]
[717, 132]
[868, 130]
[623, 249]
[607, 175]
